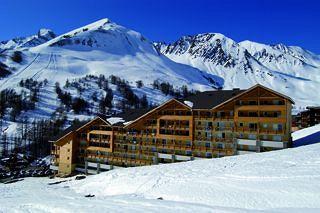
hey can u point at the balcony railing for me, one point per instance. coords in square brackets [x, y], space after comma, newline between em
[246, 129]
[271, 131]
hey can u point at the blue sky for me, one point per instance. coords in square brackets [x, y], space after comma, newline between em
[291, 22]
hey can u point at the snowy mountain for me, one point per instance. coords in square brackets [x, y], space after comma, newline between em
[41, 37]
[100, 48]
[277, 181]
[202, 62]
[287, 69]
[104, 48]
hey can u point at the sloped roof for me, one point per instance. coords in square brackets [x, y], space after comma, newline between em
[210, 99]
[252, 88]
[132, 114]
[69, 130]
[76, 127]
[158, 107]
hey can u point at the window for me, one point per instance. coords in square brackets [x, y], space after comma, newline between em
[68, 158]
[276, 138]
[220, 146]
[188, 143]
[276, 114]
[241, 124]
[253, 114]
[154, 141]
[253, 126]
[252, 102]
[277, 102]
[252, 136]
[207, 145]
[208, 155]
[68, 150]
[153, 149]
[277, 127]
[265, 126]
[188, 152]
[164, 141]
[208, 135]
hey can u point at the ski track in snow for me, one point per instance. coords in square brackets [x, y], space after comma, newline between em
[15, 75]
[40, 71]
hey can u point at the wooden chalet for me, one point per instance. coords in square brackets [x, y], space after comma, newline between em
[309, 117]
[207, 125]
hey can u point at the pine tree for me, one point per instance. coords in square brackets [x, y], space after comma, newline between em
[144, 101]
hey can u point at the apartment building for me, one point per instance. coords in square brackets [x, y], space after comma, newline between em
[309, 117]
[207, 125]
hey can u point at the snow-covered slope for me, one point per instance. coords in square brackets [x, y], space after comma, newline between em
[278, 181]
[306, 136]
[305, 132]
[99, 48]
[105, 48]
[289, 70]
[201, 62]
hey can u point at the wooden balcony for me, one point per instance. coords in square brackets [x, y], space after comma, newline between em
[224, 118]
[204, 128]
[223, 140]
[246, 129]
[202, 138]
[224, 128]
[271, 131]
[123, 159]
[203, 117]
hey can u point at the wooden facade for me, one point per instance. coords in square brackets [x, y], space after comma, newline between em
[307, 118]
[255, 120]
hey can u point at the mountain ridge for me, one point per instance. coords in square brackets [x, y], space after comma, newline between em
[203, 61]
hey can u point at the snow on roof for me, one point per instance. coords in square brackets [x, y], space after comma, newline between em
[305, 132]
[189, 103]
[114, 120]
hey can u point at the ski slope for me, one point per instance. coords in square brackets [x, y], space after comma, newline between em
[278, 181]
[306, 136]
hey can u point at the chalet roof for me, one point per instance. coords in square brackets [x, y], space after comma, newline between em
[77, 126]
[70, 129]
[131, 115]
[313, 107]
[210, 99]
